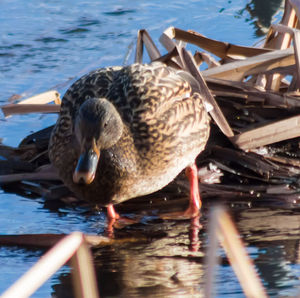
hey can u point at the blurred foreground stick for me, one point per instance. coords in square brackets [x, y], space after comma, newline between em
[224, 231]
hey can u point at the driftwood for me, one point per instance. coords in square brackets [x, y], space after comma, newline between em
[268, 134]
[238, 70]
[218, 48]
[34, 104]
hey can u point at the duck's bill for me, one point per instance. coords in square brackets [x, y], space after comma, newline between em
[86, 167]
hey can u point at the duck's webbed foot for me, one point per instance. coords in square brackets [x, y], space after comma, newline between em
[114, 220]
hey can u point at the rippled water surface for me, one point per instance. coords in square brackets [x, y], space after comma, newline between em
[47, 44]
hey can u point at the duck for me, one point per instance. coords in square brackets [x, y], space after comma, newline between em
[125, 132]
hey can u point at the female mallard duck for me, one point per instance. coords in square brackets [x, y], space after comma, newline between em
[125, 132]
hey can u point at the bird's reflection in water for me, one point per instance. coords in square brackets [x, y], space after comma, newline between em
[164, 267]
[168, 266]
[171, 263]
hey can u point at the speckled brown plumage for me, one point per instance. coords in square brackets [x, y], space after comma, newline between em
[165, 126]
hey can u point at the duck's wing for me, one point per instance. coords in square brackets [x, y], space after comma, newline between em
[145, 91]
[160, 106]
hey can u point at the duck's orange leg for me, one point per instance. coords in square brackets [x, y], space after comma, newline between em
[194, 207]
[111, 213]
[114, 220]
[112, 216]
[195, 201]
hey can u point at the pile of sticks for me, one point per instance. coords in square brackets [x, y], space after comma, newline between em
[254, 100]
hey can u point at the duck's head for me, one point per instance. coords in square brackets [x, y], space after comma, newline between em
[98, 126]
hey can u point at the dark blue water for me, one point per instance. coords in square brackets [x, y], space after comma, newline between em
[45, 45]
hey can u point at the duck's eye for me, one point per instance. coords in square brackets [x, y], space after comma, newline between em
[105, 124]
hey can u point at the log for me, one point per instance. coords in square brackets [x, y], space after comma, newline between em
[150, 46]
[43, 98]
[268, 134]
[218, 48]
[12, 109]
[237, 70]
[216, 112]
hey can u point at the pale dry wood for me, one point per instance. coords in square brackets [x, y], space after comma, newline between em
[268, 134]
[231, 85]
[168, 59]
[84, 275]
[237, 255]
[218, 48]
[237, 70]
[297, 54]
[207, 58]
[170, 46]
[281, 41]
[224, 87]
[295, 33]
[48, 264]
[43, 98]
[296, 6]
[216, 112]
[230, 94]
[12, 109]
[243, 90]
[139, 48]
[285, 71]
[150, 45]
[167, 42]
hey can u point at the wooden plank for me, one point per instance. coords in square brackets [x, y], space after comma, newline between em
[296, 6]
[218, 48]
[170, 46]
[150, 45]
[295, 33]
[139, 48]
[216, 112]
[237, 70]
[281, 41]
[43, 98]
[207, 58]
[226, 88]
[12, 109]
[268, 134]
[297, 55]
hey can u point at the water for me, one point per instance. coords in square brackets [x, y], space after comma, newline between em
[46, 45]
